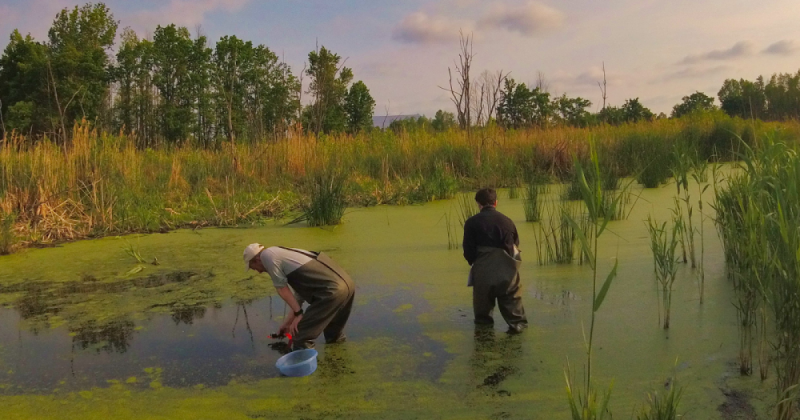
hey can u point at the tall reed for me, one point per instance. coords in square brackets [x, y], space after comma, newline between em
[533, 199]
[758, 216]
[663, 243]
[466, 207]
[453, 241]
[682, 164]
[555, 237]
[700, 177]
[584, 403]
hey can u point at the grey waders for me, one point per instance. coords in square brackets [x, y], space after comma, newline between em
[495, 276]
[329, 291]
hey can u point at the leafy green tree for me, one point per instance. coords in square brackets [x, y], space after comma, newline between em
[23, 85]
[328, 88]
[782, 94]
[634, 111]
[743, 98]
[443, 121]
[125, 74]
[78, 64]
[359, 106]
[611, 115]
[696, 102]
[172, 49]
[572, 111]
[522, 107]
[412, 124]
[232, 56]
[273, 100]
[200, 91]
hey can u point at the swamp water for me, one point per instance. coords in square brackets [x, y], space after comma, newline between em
[88, 332]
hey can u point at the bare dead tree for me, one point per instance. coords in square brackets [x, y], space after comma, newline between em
[479, 90]
[386, 116]
[58, 104]
[494, 84]
[603, 86]
[541, 83]
[461, 95]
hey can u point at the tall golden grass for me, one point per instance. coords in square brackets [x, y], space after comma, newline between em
[100, 183]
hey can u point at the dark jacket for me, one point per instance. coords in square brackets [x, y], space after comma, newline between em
[489, 228]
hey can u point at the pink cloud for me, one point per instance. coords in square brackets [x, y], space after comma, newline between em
[529, 19]
[420, 28]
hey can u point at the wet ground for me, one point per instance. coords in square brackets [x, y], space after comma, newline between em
[87, 331]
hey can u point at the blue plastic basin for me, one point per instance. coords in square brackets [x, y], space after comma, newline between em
[298, 363]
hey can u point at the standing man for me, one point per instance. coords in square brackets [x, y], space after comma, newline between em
[490, 247]
[316, 279]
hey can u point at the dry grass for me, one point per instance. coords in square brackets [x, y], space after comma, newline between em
[101, 184]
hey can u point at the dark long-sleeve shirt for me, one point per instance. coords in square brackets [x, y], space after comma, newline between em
[489, 228]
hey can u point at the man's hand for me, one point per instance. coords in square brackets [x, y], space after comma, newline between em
[295, 322]
[287, 324]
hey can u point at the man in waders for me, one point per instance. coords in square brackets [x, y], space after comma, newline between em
[490, 247]
[316, 279]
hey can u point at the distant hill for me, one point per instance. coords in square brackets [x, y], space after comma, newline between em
[383, 121]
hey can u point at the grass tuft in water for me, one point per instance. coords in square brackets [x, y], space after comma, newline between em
[326, 201]
[662, 406]
[532, 203]
[555, 236]
[663, 243]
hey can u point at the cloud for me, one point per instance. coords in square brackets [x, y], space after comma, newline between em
[692, 73]
[186, 13]
[528, 19]
[740, 49]
[784, 47]
[419, 28]
[590, 77]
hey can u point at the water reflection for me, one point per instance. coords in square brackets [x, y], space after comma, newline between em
[495, 357]
[113, 336]
[191, 328]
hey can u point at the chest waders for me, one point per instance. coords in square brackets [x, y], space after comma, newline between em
[329, 291]
[495, 276]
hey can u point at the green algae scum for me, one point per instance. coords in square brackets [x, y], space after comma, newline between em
[167, 326]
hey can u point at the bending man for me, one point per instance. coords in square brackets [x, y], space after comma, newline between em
[490, 247]
[316, 279]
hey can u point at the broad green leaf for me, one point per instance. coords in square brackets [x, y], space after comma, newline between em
[603, 290]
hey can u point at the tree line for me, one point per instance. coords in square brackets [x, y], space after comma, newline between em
[497, 98]
[169, 88]
[173, 87]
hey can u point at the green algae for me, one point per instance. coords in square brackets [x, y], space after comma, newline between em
[395, 254]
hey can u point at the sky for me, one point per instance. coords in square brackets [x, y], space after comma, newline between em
[654, 50]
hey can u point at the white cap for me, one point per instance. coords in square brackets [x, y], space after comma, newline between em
[249, 253]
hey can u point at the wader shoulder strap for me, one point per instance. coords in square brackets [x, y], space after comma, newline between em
[324, 260]
[310, 254]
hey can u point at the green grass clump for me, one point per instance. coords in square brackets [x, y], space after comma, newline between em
[7, 237]
[662, 407]
[326, 202]
[663, 243]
